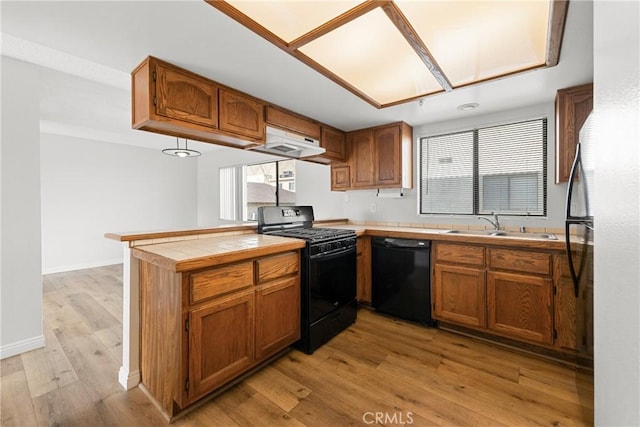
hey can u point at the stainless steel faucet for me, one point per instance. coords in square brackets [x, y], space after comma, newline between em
[496, 223]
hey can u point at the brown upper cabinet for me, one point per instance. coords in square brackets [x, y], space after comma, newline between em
[332, 140]
[292, 122]
[241, 114]
[573, 106]
[174, 101]
[183, 96]
[362, 157]
[170, 100]
[380, 157]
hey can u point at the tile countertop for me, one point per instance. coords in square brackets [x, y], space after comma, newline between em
[193, 249]
[518, 240]
[192, 254]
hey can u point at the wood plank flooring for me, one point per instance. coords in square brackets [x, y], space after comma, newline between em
[378, 372]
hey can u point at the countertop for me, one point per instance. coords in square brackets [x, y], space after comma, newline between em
[219, 248]
[517, 240]
[194, 254]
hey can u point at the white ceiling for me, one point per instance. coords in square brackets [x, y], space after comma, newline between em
[90, 47]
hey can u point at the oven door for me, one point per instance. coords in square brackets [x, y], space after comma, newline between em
[332, 282]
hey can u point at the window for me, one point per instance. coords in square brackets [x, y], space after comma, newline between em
[244, 188]
[499, 169]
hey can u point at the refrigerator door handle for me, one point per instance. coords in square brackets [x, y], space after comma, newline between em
[572, 270]
[574, 168]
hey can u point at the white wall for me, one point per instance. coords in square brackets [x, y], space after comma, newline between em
[21, 282]
[617, 212]
[405, 210]
[313, 185]
[90, 188]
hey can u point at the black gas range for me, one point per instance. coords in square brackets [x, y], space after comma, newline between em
[328, 272]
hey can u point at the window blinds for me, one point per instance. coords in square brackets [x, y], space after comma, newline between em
[499, 169]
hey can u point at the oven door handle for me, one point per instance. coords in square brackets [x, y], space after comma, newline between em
[333, 254]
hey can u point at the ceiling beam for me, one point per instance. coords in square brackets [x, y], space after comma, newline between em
[557, 20]
[406, 29]
[337, 22]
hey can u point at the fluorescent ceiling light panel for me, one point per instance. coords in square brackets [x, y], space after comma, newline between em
[479, 40]
[292, 19]
[388, 52]
[379, 63]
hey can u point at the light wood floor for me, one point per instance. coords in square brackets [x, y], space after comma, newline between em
[401, 373]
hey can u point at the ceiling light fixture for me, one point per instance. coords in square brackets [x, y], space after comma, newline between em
[181, 152]
[395, 51]
[468, 107]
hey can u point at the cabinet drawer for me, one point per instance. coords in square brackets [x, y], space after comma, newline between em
[278, 265]
[459, 254]
[525, 261]
[218, 281]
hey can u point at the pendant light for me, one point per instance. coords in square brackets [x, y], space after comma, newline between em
[181, 152]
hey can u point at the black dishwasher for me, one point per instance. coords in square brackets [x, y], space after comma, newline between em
[400, 270]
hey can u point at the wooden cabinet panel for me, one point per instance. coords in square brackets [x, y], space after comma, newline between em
[277, 316]
[334, 141]
[185, 96]
[565, 314]
[573, 316]
[573, 106]
[241, 114]
[363, 269]
[519, 306]
[293, 122]
[387, 156]
[381, 157]
[524, 261]
[459, 254]
[340, 177]
[221, 280]
[277, 266]
[362, 158]
[459, 295]
[221, 341]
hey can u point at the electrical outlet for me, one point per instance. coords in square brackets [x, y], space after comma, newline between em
[373, 207]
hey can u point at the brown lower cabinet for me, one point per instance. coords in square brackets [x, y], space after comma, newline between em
[221, 341]
[522, 295]
[519, 306]
[459, 295]
[202, 329]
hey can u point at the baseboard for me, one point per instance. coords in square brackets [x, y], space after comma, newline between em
[20, 347]
[82, 266]
[128, 380]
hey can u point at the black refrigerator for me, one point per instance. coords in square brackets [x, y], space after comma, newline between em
[579, 235]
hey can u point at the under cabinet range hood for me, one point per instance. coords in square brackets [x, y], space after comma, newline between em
[283, 143]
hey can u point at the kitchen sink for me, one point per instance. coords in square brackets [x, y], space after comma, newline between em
[502, 233]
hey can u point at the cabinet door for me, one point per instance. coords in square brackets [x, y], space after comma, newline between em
[186, 97]
[340, 177]
[573, 106]
[387, 156]
[362, 158]
[363, 269]
[277, 316]
[293, 122]
[221, 341]
[459, 295]
[334, 142]
[519, 306]
[241, 115]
